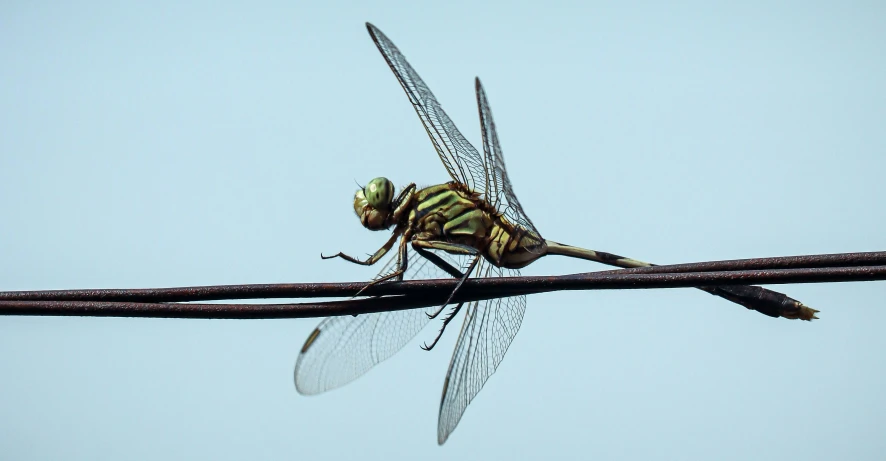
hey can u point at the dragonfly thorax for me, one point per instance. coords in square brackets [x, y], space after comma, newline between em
[373, 204]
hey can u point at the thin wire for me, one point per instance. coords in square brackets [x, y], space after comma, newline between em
[426, 293]
[332, 290]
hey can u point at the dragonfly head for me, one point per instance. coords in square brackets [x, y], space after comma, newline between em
[373, 204]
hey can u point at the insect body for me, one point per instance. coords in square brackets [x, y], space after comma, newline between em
[452, 218]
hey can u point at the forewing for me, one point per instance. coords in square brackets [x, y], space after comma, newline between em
[487, 332]
[343, 348]
[501, 194]
[462, 160]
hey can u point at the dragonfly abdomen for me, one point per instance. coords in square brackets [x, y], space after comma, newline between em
[513, 247]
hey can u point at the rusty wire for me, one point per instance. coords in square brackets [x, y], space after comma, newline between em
[332, 290]
[166, 302]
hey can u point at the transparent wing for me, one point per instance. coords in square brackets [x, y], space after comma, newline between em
[464, 163]
[502, 195]
[487, 332]
[343, 348]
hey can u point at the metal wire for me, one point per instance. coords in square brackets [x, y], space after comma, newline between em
[323, 290]
[412, 294]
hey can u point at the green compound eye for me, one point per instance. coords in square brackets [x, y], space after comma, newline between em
[379, 193]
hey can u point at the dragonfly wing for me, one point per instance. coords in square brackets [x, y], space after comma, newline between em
[343, 348]
[501, 195]
[487, 332]
[462, 160]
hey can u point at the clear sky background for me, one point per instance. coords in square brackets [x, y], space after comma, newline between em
[210, 143]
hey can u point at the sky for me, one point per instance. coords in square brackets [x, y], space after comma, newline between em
[201, 143]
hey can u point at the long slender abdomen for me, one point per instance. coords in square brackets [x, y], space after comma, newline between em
[555, 248]
[768, 302]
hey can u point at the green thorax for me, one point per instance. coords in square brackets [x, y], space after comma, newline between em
[452, 213]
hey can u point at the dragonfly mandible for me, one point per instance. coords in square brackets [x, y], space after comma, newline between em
[472, 226]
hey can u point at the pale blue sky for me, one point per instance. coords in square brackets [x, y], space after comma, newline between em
[175, 145]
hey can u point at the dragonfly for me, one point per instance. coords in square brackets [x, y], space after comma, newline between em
[471, 226]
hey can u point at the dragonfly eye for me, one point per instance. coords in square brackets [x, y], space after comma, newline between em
[371, 218]
[360, 202]
[379, 193]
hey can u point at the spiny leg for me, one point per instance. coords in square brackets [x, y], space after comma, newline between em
[451, 270]
[372, 258]
[454, 248]
[439, 262]
[446, 321]
[404, 199]
[402, 265]
[457, 286]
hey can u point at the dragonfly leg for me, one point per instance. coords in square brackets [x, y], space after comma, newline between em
[372, 258]
[439, 262]
[402, 265]
[402, 202]
[454, 248]
[460, 283]
[446, 321]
